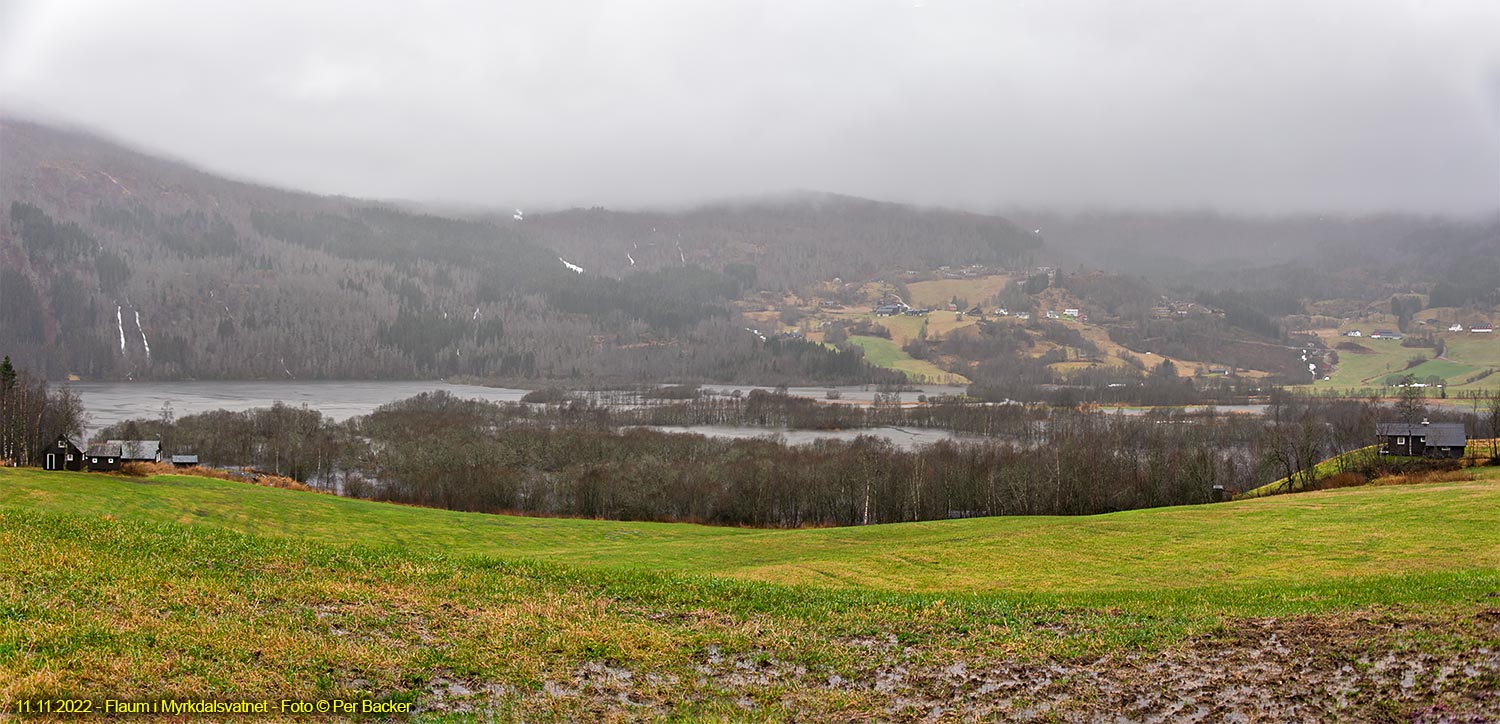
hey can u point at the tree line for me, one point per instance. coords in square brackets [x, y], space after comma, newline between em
[33, 415]
[575, 458]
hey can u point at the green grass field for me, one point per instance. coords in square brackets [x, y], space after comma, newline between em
[1466, 355]
[1442, 368]
[174, 585]
[885, 353]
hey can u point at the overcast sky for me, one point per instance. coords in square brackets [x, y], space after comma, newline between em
[1254, 105]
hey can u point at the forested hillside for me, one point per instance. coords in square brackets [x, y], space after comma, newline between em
[790, 240]
[119, 265]
[1319, 256]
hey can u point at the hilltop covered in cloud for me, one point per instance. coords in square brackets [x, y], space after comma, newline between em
[1264, 107]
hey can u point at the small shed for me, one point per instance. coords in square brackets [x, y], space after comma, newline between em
[63, 455]
[1423, 439]
[103, 456]
[184, 461]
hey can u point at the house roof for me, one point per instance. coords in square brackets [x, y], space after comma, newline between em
[104, 450]
[1438, 434]
[138, 449]
[184, 459]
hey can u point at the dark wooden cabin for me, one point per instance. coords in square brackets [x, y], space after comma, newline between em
[1423, 439]
[63, 455]
[103, 456]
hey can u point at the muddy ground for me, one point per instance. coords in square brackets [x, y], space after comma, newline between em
[1354, 668]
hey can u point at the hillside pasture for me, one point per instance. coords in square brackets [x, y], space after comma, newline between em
[1340, 534]
[885, 353]
[1446, 369]
[181, 587]
[1385, 362]
[937, 293]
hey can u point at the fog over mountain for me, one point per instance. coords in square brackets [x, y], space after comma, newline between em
[1247, 107]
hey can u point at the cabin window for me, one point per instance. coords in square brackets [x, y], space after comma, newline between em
[70, 457]
[111, 459]
[94, 460]
[59, 443]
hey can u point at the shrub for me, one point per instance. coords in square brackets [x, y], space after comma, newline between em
[254, 477]
[139, 470]
[1342, 480]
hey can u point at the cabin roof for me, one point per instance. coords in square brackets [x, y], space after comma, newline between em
[104, 450]
[1438, 434]
[138, 449]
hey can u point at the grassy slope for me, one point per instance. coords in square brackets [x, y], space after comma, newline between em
[1467, 354]
[1442, 368]
[885, 353]
[1321, 470]
[1476, 448]
[1290, 539]
[146, 588]
[937, 293]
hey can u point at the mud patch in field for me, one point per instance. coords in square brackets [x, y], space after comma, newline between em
[1351, 668]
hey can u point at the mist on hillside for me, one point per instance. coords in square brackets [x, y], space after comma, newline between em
[1263, 107]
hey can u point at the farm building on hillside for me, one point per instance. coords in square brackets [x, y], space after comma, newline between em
[184, 461]
[1424, 439]
[103, 456]
[1481, 328]
[63, 455]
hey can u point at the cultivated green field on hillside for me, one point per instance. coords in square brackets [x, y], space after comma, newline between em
[192, 587]
[1466, 355]
[1445, 369]
[883, 352]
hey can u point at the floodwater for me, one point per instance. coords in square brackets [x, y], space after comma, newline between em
[854, 394]
[110, 402]
[902, 437]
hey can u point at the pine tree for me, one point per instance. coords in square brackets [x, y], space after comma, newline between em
[7, 375]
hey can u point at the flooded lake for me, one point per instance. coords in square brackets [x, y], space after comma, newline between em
[110, 402]
[855, 394]
[905, 438]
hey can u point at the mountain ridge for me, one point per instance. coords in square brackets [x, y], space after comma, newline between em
[234, 279]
